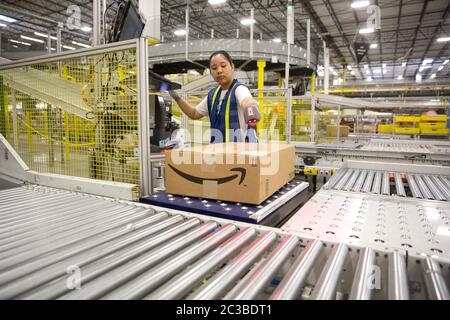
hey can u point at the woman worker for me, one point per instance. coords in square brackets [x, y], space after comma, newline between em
[232, 111]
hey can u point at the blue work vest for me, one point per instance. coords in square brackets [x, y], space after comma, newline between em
[227, 118]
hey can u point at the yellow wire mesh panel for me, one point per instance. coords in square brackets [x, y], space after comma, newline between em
[301, 120]
[75, 117]
[274, 115]
[327, 125]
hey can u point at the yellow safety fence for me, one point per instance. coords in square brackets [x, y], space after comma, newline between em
[77, 116]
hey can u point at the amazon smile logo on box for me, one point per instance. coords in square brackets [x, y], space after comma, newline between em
[237, 172]
[200, 180]
[262, 155]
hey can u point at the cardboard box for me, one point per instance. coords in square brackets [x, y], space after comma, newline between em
[332, 131]
[236, 172]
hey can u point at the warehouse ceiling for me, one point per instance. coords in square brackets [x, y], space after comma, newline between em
[405, 41]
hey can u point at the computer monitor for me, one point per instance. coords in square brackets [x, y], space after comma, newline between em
[159, 83]
[129, 24]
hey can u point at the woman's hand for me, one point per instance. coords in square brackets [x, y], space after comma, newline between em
[252, 115]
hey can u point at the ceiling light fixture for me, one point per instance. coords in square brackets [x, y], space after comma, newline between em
[216, 2]
[68, 47]
[86, 29]
[443, 39]
[180, 32]
[445, 62]
[44, 35]
[433, 76]
[423, 68]
[349, 67]
[418, 78]
[81, 44]
[400, 77]
[3, 25]
[404, 64]
[7, 19]
[374, 46]
[32, 39]
[427, 61]
[247, 21]
[369, 79]
[277, 40]
[366, 30]
[360, 4]
[440, 68]
[24, 43]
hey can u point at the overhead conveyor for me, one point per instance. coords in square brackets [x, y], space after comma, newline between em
[110, 249]
[49, 88]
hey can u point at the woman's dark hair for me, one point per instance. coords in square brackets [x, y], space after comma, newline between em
[222, 52]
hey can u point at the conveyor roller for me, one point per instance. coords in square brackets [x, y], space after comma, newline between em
[138, 251]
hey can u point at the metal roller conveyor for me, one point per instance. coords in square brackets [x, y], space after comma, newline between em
[37, 235]
[413, 186]
[250, 286]
[325, 289]
[400, 189]
[368, 183]
[55, 270]
[398, 280]
[446, 181]
[359, 184]
[145, 252]
[135, 278]
[362, 282]
[423, 187]
[181, 284]
[293, 282]
[351, 182]
[219, 284]
[376, 187]
[385, 184]
[441, 187]
[437, 194]
[341, 183]
[80, 241]
[335, 179]
[435, 282]
[151, 250]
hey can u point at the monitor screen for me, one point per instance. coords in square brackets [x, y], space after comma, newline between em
[129, 24]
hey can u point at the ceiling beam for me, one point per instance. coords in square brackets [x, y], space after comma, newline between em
[435, 35]
[422, 15]
[322, 29]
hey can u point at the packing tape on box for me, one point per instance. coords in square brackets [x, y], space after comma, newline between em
[210, 189]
